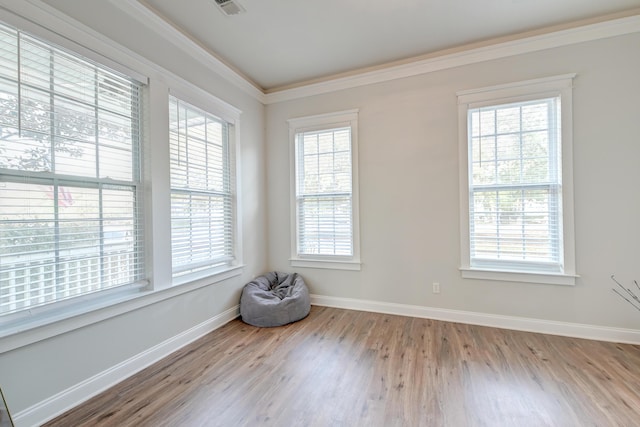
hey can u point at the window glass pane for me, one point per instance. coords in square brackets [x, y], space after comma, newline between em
[487, 122]
[508, 171]
[310, 143]
[202, 209]
[35, 63]
[75, 158]
[116, 163]
[325, 226]
[8, 107]
[535, 117]
[73, 79]
[508, 119]
[30, 151]
[119, 221]
[325, 142]
[118, 96]
[8, 54]
[58, 229]
[484, 173]
[342, 141]
[514, 203]
[115, 130]
[35, 110]
[27, 215]
[535, 144]
[324, 186]
[508, 147]
[79, 221]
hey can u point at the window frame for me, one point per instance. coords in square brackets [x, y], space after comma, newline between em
[549, 87]
[231, 116]
[320, 122]
[27, 327]
[98, 183]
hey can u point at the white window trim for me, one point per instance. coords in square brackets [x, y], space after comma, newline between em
[217, 107]
[531, 89]
[33, 326]
[94, 182]
[319, 122]
[27, 327]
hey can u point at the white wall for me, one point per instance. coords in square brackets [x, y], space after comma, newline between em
[408, 202]
[409, 221]
[31, 374]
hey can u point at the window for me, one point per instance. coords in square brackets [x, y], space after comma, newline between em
[517, 196]
[202, 190]
[324, 189]
[70, 192]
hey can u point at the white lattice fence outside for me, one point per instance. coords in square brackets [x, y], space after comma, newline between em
[27, 283]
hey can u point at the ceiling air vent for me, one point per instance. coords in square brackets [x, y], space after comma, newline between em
[230, 7]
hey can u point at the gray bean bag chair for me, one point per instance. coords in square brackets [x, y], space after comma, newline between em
[274, 299]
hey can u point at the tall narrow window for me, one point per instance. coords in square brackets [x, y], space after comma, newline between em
[515, 185]
[70, 193]
[202, 190]
[325, 205]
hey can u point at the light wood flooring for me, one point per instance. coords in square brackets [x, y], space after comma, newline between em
[349, 368]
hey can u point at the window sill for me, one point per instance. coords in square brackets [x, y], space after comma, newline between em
[48, 322]
[331, 264]
[520, 276]
[209, 276]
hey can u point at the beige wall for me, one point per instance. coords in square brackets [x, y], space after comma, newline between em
[409, 192]
[33, 373]
[408, 201]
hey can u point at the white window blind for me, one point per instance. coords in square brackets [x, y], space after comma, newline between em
[515, 186]
[324, 192]
[70, 195]
[202, 190]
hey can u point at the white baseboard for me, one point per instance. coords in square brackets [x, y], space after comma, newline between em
[575, 330]
[73, 396]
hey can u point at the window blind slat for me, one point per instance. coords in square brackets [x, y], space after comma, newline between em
[66, 231]
[515, 185]
[202, 189]
[324, 192]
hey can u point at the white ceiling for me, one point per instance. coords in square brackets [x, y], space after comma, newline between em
[277, 43]
[282, 42]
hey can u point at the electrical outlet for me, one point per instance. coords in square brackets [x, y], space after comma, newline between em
[436, 287]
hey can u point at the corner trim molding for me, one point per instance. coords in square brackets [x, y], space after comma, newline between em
[149, 18]
[51, 20]
[438, 62]
[73, 396]
[67, 399]
[574, 330]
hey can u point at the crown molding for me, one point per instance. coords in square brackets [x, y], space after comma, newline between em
[39, 18]
[42, 15]
[435, 62]
[601, 30]
[152, 20]
[52, 24]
